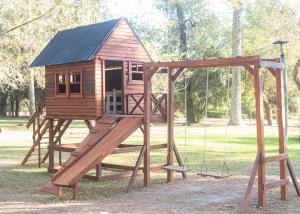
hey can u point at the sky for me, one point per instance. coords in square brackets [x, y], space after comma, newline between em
[129, 8]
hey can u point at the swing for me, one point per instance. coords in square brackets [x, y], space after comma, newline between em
[186, 166]
[225, 171]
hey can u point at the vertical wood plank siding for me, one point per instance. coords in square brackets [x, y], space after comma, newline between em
[122, 45]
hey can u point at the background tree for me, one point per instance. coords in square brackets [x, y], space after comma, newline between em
[236, 102]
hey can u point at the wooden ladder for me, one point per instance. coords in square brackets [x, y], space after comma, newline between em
[40, 134]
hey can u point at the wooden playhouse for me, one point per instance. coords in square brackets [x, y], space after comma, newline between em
[92, 73]
[102, 72]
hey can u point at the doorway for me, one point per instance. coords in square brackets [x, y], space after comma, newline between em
[113, 87]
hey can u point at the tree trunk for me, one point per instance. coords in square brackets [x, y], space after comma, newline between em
[236, 107]
[268, 110]
[183, 55]
[17, 103]
[182, 32]
[31, 92]
[12, 105]
[296, 74]
[3, 104]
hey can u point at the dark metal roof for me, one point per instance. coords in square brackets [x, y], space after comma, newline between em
[75, 45]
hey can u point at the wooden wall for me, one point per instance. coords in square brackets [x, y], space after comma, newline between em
[72, 107]
[123, 45]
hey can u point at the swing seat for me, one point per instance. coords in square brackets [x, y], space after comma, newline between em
[176, 168]
[215, 175]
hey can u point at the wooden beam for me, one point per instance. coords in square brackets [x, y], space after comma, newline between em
[260, 135]
[249, 68]
[178, 72]
[293, 176]
[88, 124]
[170, 120]
[150, 72]
[281, 131]
[51, 142]
[147, 118]
[216, 62]
[280, 183]
[253, 173]
[179, 161]
[275, 158]
[136, 168]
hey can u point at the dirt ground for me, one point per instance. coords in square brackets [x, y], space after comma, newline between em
[195, 194]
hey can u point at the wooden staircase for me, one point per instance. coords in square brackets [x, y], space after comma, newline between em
[40, 134]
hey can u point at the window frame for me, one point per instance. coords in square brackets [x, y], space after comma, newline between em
[57, 74]
[80, 83]
[67, 76]
[131, 72]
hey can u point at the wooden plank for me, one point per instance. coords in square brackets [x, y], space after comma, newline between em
[51, 141]
[275, 158]
[136, 168]
[281, 131]
[91, 157]
[217, 62]
[179, 161]
[247, 194]
[170, 121]
[293, 176]
[147, 118]
[260, 135]
[214, 175]
[176, 168]
[283, 182]
[249, 68]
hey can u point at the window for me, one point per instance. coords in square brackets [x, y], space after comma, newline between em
[75, 86]
[68, 84]
[61, 84]
[136, 72]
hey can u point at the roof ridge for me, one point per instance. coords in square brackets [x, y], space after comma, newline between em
[89, 25]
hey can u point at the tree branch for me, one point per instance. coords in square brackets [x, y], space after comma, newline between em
[28, 22]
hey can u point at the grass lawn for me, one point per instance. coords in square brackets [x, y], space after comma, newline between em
[17, 182]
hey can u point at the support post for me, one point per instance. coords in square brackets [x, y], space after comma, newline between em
[260, 135]
[147, 116]
[50, 149]
[170, 120]
[281, 130]
[98, 170]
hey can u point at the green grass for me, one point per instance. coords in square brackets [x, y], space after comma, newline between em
[239, 152]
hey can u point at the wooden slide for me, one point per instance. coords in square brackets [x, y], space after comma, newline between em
[108, 134]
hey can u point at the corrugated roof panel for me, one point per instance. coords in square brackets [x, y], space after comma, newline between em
[75, 45]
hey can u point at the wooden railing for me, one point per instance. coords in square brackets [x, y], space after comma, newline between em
[135, 106]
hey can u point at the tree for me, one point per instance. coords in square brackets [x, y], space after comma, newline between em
[26, 27]
[193, 32]
[296, 74]
[236, 103]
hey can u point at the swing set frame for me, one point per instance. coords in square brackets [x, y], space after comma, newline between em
[253, 65]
